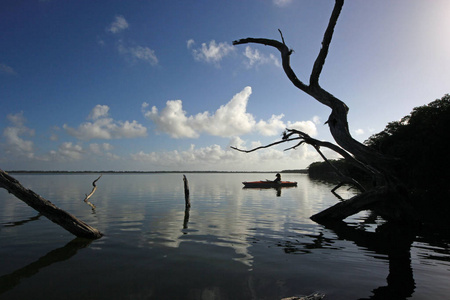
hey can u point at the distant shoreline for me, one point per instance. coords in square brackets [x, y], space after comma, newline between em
[302, 171]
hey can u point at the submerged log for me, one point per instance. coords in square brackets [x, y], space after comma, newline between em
[48, 209]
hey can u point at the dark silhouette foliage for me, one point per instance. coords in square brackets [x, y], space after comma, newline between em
[419, 147]
[420, 142]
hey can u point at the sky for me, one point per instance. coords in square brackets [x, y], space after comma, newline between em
[157, 85]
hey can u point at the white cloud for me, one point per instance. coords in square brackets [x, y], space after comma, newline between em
[138, 53]
[118, 25]
[190, 43]
[271, 127]
[103, 150]
[306, 126]
[316, 120]
[213, 154]
[282, 2]
[15, 144]
[5, 69]
[218, 158]
[103, 127]
[359, 131]
[256, 58]
[132, 53]
[171, 120]
[98, 111]
[212, 53]
[67, 151]
[231, 119]
[100, 148]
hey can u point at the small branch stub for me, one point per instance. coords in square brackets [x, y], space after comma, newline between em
[92, 193]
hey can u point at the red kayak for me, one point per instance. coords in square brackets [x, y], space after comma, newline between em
[268, 184]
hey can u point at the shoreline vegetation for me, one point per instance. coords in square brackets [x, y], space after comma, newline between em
[300, 171]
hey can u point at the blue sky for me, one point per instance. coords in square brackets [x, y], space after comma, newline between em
[157, 85]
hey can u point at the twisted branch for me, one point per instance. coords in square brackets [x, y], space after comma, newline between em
[92, 193]
[305, 138]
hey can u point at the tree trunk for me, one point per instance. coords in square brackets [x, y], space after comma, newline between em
[48, 209]
[372, 162]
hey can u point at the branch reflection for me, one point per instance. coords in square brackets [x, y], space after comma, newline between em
[19, 223]
[9, 281]
[393, 240]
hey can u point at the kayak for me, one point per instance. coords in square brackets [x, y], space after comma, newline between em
[268, 184]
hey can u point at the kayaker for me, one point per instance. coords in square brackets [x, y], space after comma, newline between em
[278, 178]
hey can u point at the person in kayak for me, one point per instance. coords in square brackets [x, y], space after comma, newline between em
[278, 178]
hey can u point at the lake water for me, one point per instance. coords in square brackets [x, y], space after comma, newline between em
[233, 243]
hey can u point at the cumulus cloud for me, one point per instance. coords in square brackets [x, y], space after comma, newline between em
[15, 143]
[5, 69]
[206, 155]
[228, 159]
[271, 127]
[231, 119]
[103, 127]
[306, 126]
[256, 58]
[99, 111]
[212, 53]
[103, 149]
[100, 148]
[119, 24]
[67, 151]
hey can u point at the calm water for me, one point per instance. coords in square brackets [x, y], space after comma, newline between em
[233, 243]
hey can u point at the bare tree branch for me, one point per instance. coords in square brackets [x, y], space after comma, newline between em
[320, 60]
[305, 138]
[285, 58]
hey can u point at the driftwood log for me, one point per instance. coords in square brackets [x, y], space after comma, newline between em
[48, 209]
[378, 166]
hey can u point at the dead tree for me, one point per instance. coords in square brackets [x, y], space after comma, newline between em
[48, 209]
[371, 161]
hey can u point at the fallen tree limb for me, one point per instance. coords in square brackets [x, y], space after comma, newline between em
[48, 209]
[389, 204]
[349, 207]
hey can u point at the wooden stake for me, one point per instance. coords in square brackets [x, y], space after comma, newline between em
[186, 192]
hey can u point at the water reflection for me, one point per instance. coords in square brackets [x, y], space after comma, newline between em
[276, 189]
[22, 222]
[9, 281]
[186, 218]
[393, 240]
[231, 242]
